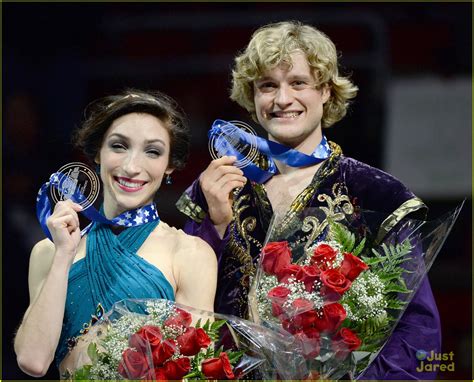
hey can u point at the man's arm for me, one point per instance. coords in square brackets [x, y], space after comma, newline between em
[208, 204]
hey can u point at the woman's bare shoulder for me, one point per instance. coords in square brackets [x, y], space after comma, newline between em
[43, 250]
[183, 243]
[41, 259]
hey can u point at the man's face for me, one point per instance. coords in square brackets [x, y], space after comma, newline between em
[288, 105]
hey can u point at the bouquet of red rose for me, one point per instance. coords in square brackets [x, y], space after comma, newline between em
[339, 293]
[160, 340]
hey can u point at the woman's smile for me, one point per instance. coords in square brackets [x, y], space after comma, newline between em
[129, 185]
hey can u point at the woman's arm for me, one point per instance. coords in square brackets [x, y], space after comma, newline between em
[196, 268]
[40, 330]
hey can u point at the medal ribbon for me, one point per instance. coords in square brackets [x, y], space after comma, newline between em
[130, 218]
[225, 133]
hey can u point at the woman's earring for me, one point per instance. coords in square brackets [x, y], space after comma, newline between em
[97, 169]
[168, 179]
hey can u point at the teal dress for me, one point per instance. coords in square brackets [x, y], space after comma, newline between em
[111, 271]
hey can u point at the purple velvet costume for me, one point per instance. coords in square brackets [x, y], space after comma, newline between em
[367, 189]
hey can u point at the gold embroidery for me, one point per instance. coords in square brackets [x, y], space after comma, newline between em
[338, 207]
[263, 200]
[409, 206]
[243, 252]
[189, 208]
[340, 200]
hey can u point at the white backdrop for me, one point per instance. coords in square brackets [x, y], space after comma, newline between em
[428, 140]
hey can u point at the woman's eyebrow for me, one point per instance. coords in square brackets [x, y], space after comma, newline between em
[124, 137]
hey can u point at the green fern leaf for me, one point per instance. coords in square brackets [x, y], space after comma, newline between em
[370, 261]
[388, 276]
[207, 326]
[234, 356]
[198, 324]
[218, 351]
[395, 304]
[83, 374]
[359, 248]
[216, 325]
[343, 236]
[92, 352]
[396, 288]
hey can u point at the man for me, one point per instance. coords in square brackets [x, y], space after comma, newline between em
[288, 80]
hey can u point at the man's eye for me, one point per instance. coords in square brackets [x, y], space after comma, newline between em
[299, 84]
[267, 86]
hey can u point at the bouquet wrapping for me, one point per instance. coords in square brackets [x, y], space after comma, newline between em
[155, 339]
[339, 287]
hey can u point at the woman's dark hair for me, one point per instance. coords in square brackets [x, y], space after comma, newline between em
[101, 113]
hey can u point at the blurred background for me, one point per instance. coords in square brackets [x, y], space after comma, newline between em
[412, 117]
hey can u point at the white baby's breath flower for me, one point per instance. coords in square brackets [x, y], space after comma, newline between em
[296, 289]
[365, 299]
[263, 302]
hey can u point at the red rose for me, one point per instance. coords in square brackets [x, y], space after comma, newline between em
[179, 318]
[288, 272]
[308, 274]
[147, 334]
[305, 314]
[137, 342]
[133, 365]
[312, 333]
[301, 305]
[308, 346]
[305, 320]
[344, 342]
[276, 256]
[218, 368]
[193, 340]
[177, 369]
[163, 352]
[277, 310]
[277, 296]
[155, 374]
[289, 326]
[278, 293]
[322, 255]
[331, 318]
[352, 266]
[334, 281]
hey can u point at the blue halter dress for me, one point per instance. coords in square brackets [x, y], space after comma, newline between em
[111, 271]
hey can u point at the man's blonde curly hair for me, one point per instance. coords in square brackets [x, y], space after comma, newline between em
[272, 45]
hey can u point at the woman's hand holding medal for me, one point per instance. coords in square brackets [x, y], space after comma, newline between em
[64, 227]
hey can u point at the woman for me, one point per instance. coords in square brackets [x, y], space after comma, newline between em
[136, 139]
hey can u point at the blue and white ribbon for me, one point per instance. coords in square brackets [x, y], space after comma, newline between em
[273, 150]
[130, 218]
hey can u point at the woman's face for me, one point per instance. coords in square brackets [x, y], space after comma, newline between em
[133, 160]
